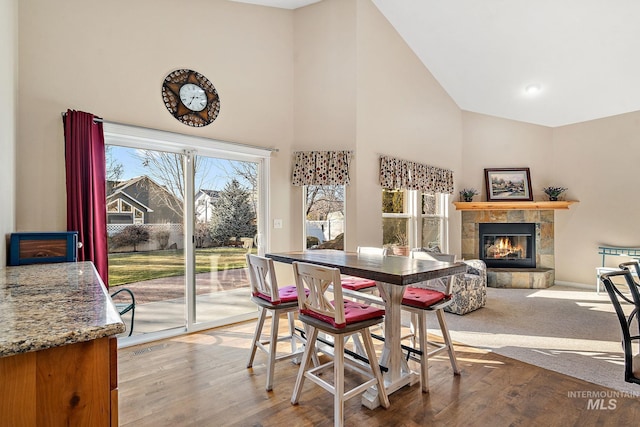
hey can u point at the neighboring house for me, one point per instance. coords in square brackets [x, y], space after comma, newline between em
[204, 202]
[141, 201]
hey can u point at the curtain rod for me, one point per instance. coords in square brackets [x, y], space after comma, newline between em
[101, 120]
[95, 118]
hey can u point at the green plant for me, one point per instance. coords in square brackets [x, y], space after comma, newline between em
[467, 194]
[554, 192]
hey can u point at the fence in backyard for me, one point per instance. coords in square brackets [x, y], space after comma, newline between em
[158, 238]
[325, 230]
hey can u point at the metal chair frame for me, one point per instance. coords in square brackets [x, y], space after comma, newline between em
[631, 375]
[124, 307]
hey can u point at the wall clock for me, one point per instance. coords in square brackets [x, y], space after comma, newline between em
[190, 97]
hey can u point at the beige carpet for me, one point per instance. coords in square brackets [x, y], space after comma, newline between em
[570, 330]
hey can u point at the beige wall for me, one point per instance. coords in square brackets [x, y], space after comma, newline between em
[333, 75]
[324, 92]
[8, 85]
[598, 162]
[110, 58]
[402, 112]
[359, 87]
[492, 142]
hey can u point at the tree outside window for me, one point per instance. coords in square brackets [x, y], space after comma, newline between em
[324, 216]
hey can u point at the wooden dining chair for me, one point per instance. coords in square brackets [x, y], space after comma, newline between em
[270, 298]
[631, 361]
[339, 318]
[418, 302]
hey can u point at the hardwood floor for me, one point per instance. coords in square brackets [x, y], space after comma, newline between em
[201, 380]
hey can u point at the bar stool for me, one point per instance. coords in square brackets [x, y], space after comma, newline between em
[339, 319]
[266, 294]
[418, 301]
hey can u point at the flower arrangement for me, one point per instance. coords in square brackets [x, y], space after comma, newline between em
[554, 192]
[467, 194]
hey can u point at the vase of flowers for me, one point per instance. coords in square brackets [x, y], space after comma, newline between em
[554, 192]
[467, 194]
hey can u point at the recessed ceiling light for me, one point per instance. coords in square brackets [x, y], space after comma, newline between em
[532, 89]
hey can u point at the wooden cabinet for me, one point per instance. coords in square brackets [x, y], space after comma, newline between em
[69, 385]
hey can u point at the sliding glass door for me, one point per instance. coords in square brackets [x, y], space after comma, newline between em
[226, 228]
[182, 215]
[145, 229]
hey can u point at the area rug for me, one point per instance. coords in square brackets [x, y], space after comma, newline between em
[566, 329]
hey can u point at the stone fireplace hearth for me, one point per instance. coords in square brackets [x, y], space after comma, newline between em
[542, 276]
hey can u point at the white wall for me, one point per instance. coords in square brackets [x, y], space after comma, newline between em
[8, 117]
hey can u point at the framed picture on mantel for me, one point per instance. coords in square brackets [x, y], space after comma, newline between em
[508, 184]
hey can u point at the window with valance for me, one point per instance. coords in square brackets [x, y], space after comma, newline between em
[324, 175]
[414, 204]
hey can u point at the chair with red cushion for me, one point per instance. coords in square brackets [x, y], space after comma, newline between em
[358, 283]
[266, 294]
[418, 301]
[338, 318]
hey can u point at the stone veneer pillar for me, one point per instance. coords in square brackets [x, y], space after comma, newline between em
[540, 277]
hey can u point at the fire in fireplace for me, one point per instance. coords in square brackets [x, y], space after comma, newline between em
[508, 245]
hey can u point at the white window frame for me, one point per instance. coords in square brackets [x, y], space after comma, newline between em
[442, 212]
[304, 216]
[413, 203]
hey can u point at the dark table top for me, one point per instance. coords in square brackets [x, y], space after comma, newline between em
[397, 270]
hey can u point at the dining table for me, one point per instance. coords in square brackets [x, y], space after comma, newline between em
[392, 275]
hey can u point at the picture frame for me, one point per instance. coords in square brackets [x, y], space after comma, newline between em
[508, 184]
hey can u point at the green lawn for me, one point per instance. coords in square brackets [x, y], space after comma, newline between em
[137, 266]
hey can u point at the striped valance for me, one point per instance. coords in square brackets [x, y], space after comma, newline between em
[321, 168]
[398, 173]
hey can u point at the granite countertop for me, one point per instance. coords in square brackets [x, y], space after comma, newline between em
[51, 305]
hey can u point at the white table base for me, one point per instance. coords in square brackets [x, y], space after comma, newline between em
[398, 374]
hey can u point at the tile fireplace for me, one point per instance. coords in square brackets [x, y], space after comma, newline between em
[525, 260]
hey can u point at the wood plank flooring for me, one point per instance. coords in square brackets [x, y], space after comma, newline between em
[202, 380]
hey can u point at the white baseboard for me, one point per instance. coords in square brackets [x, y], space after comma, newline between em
[576, 285]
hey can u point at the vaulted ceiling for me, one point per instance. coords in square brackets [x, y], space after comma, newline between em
[582, 56]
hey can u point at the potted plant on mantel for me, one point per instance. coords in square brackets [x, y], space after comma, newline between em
[554, 192]
[467, 194]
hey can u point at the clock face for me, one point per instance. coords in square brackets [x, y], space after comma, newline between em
[193, 97]
[190, 97]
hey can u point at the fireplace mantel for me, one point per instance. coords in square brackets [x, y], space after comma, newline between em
[513, 205]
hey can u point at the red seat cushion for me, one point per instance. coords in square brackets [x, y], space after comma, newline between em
[287, 294]
[422, 298]
[353, 312]
[357, 283]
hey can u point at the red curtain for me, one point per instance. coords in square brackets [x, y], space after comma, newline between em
[86, 175]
